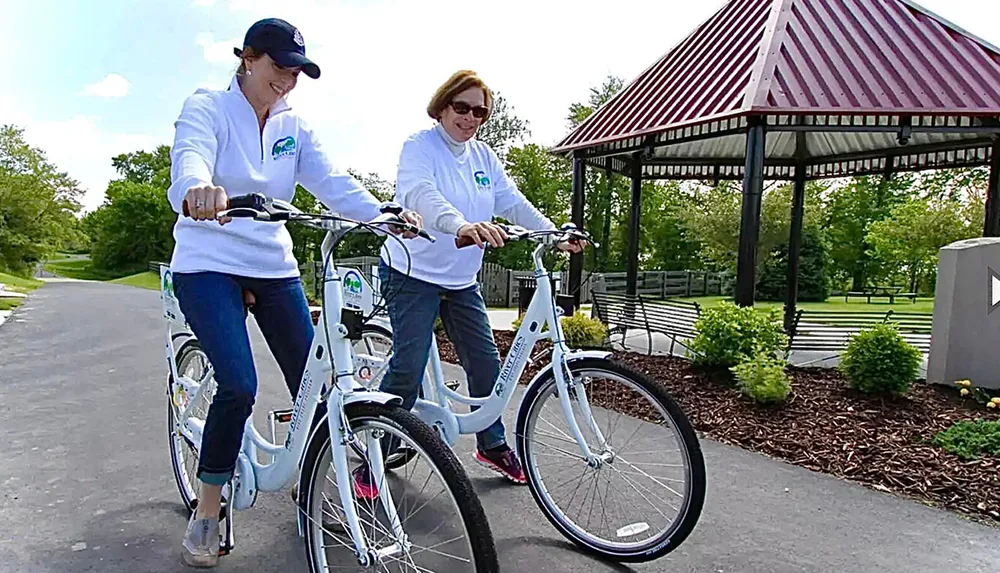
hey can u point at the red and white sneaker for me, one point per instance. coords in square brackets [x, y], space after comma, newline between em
[503, 461]
[364, 488]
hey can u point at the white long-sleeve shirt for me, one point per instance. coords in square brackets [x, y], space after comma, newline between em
[218, 142]
[451, 184]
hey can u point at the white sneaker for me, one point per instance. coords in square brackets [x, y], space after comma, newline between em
[201, 542]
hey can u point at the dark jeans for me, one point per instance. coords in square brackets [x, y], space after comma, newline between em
[413, 306]
[212, 303]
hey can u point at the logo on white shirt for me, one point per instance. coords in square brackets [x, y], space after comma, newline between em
[481, 179]
[283, 147]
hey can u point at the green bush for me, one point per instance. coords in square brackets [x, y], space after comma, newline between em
[969, 440]
[582, 331]
[878, 360]
[763, 379]
[729, 334]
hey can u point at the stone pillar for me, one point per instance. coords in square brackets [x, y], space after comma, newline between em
[965, 337]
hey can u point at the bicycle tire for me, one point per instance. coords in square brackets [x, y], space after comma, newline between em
[693, 504]
[189, 499]
[440, 455]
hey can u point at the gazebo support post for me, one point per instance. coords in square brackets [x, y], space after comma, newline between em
[753, 188]
[795, 232]
[576, 259]
[632, 274]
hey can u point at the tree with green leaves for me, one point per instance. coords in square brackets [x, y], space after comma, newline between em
[135, 223]
[907, 242]
[545, 180]
[606, 195]
[38, 204]
[851, 210]
[504, 129]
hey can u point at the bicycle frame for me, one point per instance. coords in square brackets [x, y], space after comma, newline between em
[252, 476]
[436, 410]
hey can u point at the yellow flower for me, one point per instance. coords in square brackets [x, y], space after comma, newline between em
[964, 392]
[964, 383]
[991, 405]
[995, 400]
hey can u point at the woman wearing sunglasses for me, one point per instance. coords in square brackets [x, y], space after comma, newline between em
[457, 185]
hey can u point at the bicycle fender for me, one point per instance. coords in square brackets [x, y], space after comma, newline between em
[571, 356]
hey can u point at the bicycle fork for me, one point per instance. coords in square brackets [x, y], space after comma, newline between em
[342, 439]
[569, 386]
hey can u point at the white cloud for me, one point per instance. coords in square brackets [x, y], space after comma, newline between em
[218, 52]
[204, 3]
[112, 86]
[81, 148]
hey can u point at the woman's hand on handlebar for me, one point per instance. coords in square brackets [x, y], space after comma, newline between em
[203, 203]
[483, 232]
[572, 246]
[411, 217]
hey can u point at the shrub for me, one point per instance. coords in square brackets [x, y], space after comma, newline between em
[729, 334]
[969, 440]
[879, 360]
[763, 378]
[581, 331]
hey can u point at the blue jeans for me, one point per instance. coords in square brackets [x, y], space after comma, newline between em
[212, 303]
[413, 306]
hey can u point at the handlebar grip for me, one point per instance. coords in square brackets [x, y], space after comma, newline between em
[250, 201]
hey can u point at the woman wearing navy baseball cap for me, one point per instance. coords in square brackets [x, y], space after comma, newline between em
[246, 139]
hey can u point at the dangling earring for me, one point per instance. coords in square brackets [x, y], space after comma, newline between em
[248, 72]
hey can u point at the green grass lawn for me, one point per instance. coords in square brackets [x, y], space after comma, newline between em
[148, 280]
[19, 284]
[80, 268]
[834, 304]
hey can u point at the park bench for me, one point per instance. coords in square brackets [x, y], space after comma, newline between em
[889, 292]
[621, 312]
[830, 331]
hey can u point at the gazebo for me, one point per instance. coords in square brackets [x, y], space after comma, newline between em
[797, 90]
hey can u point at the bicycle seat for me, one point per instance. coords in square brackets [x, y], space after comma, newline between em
[248, 298]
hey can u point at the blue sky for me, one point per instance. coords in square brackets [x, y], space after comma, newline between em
[381, 61]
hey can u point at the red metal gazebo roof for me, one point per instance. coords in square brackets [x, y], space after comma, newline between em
[821, 58]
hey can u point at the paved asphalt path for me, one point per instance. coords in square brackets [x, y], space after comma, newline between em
[86, 485]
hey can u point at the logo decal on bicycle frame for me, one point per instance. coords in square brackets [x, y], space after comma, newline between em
[354, 288]
[516, 350]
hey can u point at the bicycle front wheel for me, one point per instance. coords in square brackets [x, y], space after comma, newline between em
[444, 527]
[644, 494]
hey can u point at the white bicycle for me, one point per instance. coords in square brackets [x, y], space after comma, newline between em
[428, 519]
[566, 428]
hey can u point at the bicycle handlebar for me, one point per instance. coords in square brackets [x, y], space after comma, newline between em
[258, 207]
[551, 237]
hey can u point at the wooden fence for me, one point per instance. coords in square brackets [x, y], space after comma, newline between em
[500, 285]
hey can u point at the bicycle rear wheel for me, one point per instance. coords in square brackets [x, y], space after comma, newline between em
[646, 493]
[441, 516]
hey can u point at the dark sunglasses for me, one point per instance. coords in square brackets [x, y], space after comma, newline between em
[462, 108]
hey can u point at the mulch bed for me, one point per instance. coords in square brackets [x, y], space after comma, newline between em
[825, 426]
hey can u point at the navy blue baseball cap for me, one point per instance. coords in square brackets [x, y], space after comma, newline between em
[282, 41]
